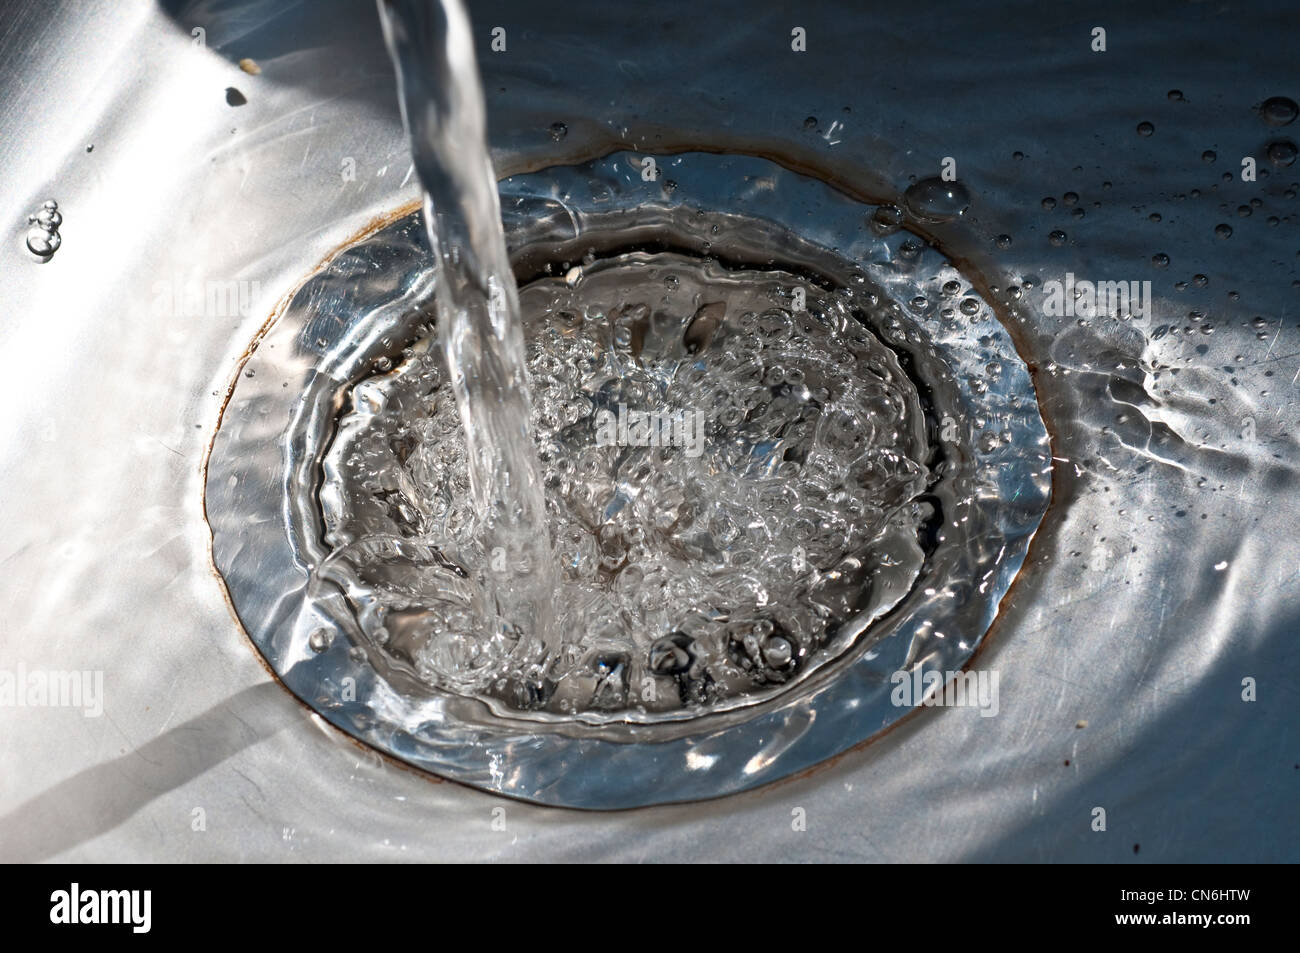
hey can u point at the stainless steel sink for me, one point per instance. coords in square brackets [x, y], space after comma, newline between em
[1122, 649]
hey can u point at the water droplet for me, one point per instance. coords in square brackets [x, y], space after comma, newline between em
[1145, 129]
[1281, 152]
[1278, 110]
[1208, 156]
[951, 288]
[969, 306]
[933, 200]
[1160, 260]
[43, 238]
[1154, 217]
[1003, 241]
[1200, 280]
[1175, 96]
[1057, 238]
[810, 122]
[319, 640]
[1070, 198]
[1223, 230]
[558, 131]
[886, 220]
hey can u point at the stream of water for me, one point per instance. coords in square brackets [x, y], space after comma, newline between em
[478, 316]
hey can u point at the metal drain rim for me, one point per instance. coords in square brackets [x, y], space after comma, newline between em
[264, 569]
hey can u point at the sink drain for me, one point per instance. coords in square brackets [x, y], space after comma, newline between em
[787, 452]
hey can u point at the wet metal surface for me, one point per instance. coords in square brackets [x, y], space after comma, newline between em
[1127, 665]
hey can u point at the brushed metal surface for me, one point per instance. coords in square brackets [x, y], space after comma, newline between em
[109, 402]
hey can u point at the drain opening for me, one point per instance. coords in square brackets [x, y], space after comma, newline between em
[868, 469]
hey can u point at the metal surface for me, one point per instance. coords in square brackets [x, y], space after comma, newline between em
[110, 398]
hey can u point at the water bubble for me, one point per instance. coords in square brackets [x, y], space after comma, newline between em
[1200, 280]
[558, 131]
[1281, 152]
[1224, 230]
[43, 238]
[1278, 110]
[933, 200]
[1160, 260]
[1070, 198]
[1243, 211]
[810, 122]
[1208, 156]
[1003, 241]
[319, 640]
[1175, 96]
[886, 219]
[951, 287]
[777, 651]
[969, 306]
[1154, 217]
[1145, 129]
[1057, 238]
[1049, 203]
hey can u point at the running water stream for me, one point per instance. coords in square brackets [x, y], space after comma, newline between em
[478, 313]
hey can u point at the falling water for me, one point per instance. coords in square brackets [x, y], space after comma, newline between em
[478, 311]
